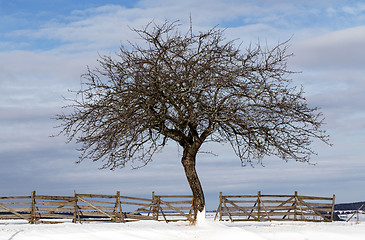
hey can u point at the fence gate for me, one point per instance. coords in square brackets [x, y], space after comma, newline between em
[275, 207]
[47, 208]
[174, 208]
[137, 208]
[98, 207]
[15, 208]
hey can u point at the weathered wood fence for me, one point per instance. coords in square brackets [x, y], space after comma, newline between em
[97, 207]
[275, 207]
[117, 208]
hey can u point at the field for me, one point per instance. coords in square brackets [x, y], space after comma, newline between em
[204, 230]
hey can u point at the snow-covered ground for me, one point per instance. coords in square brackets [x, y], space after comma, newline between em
[204, 230]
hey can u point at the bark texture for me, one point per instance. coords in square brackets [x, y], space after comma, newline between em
[188, 161]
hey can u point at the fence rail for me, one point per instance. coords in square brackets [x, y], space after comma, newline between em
[275, 207]
[97, 207]
[117, 208]
[174, 208]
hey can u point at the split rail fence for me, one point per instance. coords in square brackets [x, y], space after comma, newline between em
[275, 207]
[97, 207]
[117, 208]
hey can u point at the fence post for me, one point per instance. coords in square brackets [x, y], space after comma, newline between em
[333, 207]
[158, 208]
[258, 205]
[118, 209]
[191, 211]
[76, 209]
[155, 207]
[295, 205]
[32, 211]
[219, 210]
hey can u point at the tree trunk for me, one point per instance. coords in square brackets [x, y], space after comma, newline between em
[188, 161]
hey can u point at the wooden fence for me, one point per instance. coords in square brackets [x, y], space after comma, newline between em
[275, 207]
[116, 208]
[96, 207]
[174, 208]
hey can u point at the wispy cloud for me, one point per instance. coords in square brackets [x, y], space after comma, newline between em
[105, 26]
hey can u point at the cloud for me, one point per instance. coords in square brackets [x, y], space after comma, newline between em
[334, 77]
[357, 9]
[341, 49]
[104, 27]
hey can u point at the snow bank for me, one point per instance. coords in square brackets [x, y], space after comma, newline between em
[207, 230]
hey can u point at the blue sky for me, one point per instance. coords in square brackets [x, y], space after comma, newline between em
[46, 45]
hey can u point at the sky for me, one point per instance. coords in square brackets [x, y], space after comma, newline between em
[45, 46]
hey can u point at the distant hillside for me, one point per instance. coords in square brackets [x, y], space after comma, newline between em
[349, 206]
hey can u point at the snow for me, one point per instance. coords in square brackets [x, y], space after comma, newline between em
[205, 229]
[201, 217]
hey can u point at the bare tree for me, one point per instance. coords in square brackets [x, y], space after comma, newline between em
[191, 88]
